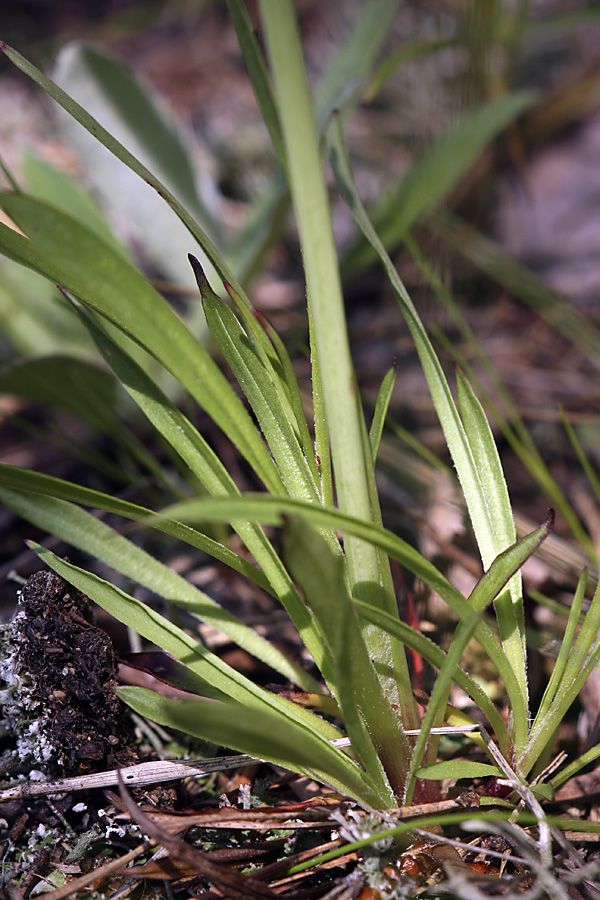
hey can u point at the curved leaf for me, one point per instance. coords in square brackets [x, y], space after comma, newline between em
[160, 631]
[458, 768]
[260, 733]
[67, 253]
[82, 530]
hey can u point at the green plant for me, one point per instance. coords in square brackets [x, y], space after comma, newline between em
[340, 599]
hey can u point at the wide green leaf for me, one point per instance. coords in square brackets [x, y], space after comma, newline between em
[67, 253]
[161, 631]
[368, 717]
[58, 189]
[458, 768]
[80, 529]
[261, 733]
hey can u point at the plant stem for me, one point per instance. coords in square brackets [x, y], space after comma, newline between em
[369, 575]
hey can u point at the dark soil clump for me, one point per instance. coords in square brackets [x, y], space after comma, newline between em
[62, 672]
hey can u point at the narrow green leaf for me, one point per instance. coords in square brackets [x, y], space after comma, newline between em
[295, 398]
[368, 718]
[566, 648]
[458, 768]
[160, 631]
[258, 74]
[322, 437]
[155, 628]
[381, 408]
[82, 530]
[260, 733]
[485, 591]
[37, 483]
[257, 382]
[67, 253]
[584, 462]
[489, 470]
[441, 167]
[418, 47]
[576, 766]
[342, 83]
[509, 605]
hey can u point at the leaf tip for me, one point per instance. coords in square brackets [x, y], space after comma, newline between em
[199, 275]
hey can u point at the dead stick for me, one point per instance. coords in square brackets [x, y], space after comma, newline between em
[162, 771]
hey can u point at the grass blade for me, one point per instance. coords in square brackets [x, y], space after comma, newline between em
[260, 733]
[259, 385]
[431, 179]
[368, 718]
[381, 408]
[194, 655]
[80, 529]
[117, 149]
[67, 253]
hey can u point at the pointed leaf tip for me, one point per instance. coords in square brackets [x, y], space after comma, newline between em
[201, 279]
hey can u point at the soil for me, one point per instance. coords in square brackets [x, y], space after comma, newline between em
[66, 671]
